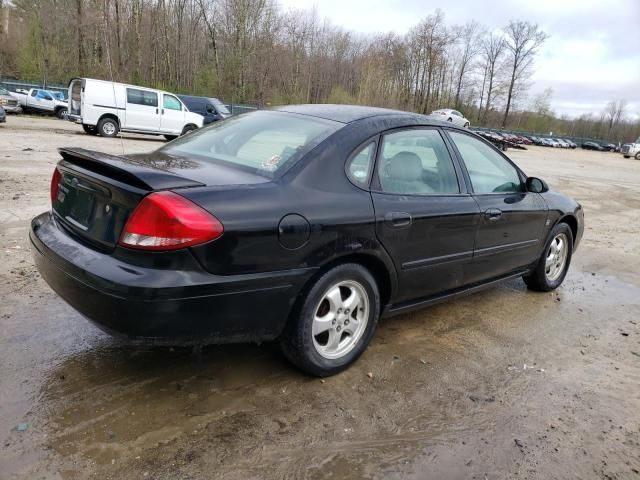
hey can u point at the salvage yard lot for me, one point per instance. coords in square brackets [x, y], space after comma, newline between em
[506, 383]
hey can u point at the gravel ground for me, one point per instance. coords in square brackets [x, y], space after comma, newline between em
[506, 383]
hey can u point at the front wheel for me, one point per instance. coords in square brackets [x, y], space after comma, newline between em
[466, 125]
[637, 157]
[334, 322]
[61, 113]
[188, 129]
[554, 263]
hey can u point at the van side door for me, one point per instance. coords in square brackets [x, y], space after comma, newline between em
[142, 112]
[171, 115]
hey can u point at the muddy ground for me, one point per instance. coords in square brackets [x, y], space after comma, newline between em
[502, 384]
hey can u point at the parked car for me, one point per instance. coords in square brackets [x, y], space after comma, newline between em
[631, 150]
[452, 116]
[570, 143]
[610, 147]
[107, 108]
[211, 109]
[41, 101]
[8, 102]
[592, 146]
[304, 223]
[3, 115]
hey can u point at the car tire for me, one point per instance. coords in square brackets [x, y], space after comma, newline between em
[637, 157]
[108, 127]
[554, 262]
[333, 322]
[188, 129]
[89, 129]
[61, 113]
[466, 125]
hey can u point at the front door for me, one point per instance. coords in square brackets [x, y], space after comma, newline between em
[43, 100]
[142, 111]
[512, 222]
[172, 115]
[423, 218]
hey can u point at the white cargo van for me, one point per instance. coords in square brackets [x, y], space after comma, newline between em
[106, 108]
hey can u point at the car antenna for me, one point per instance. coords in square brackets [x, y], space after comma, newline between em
[113, 87]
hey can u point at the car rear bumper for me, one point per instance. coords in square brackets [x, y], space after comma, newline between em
[12, 109]
[169, 306]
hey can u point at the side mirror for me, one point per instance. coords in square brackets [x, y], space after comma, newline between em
[536, 185]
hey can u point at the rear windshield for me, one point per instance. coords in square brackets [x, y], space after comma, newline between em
[263, 142]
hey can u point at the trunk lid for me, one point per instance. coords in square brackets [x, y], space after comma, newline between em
[99, 191]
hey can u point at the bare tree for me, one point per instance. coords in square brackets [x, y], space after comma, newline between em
[492, 50]
[614, 113]
[523, 39]
[469, 37]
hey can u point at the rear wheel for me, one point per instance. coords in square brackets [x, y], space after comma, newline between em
[552, 266]
[334, 322]
[108, 127]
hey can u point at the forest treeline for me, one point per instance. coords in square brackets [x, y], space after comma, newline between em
[255, 51]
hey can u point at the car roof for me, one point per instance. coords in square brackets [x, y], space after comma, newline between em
[342, 113]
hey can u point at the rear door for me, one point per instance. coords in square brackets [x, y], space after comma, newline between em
[512, 222]
[171, 115]
[142, 112]
[424, 217]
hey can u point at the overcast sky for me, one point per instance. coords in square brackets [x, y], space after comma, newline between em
[591, 57]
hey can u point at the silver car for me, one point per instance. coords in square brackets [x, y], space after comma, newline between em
[452, 116]
[9, 102]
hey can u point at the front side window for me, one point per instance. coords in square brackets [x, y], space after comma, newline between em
[488, 170]
[171, 102]
[416, 162]
[265, 142]
[359, 167]
[142, 97]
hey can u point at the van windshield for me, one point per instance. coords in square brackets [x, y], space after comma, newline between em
[220, 106]
[263, 142]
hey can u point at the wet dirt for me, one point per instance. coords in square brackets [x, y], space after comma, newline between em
[505, 383]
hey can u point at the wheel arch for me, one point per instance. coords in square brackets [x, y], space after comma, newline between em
[573, 225]
[189, 127]
[385, 279]
[109, 115]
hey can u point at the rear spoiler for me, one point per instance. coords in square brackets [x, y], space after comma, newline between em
[126, 170]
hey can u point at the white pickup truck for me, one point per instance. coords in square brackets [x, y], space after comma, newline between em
[631, 149]
[42, 101]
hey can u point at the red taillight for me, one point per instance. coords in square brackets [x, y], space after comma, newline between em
[55, 185]
[167, 221]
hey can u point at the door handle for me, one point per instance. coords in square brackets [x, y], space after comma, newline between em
[493, 214]
[398, 219]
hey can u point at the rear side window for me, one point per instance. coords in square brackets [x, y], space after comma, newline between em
[142, 97]
[489, 172]
[359, 168]
[265, 142]
[416, 162]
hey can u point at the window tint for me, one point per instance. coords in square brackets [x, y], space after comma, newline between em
[489, 172]
[360, 165]
[416, 162]
[262, 141]
[171, 102]
[142, 97]
[210, 109]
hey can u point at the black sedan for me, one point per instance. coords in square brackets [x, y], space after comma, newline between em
[592, 146]
[303, 224]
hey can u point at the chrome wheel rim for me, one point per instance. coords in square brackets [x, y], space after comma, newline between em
[340, 319]
[556, 257]
[109, 128]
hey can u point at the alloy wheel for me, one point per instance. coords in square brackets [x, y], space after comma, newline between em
[340, 319]
[556, 257]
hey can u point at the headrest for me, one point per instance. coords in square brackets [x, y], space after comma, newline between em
[405, 166]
